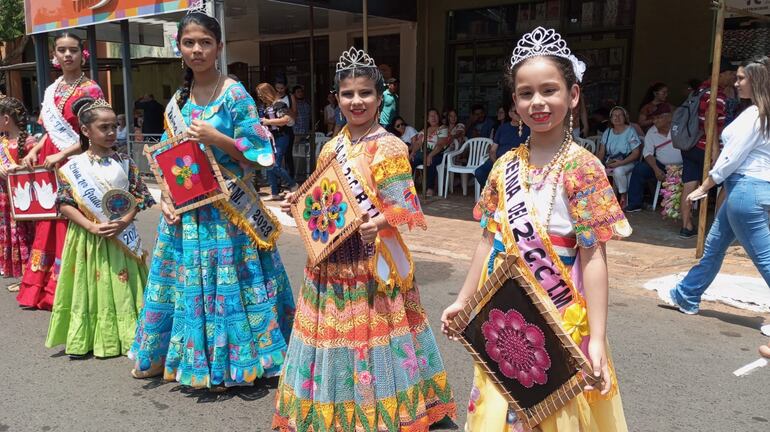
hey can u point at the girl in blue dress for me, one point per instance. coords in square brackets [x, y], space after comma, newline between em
[218, 305]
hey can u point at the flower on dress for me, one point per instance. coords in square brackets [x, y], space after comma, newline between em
[186, 172]
[365, 378]
[311, 382]
[123, 275]
[575, 322]
[517, 346]
[413, 362]
[324, 210]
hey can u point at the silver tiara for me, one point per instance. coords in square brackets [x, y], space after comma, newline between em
[354, 58]
[197, 6]
[542, 42]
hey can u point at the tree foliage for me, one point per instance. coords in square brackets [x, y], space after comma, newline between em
[11, 19]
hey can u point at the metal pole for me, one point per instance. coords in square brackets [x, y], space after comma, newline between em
[426, 104]
[711, 125]
[219, 10]
[93, 61]
[128, 91]
[42, 64]
[366, 25]
[313, 115]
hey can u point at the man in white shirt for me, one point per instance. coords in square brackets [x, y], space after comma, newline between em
[658, 152]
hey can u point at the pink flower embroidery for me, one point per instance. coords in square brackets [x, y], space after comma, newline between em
[310, 383]
[412, 362]
[517, 346]
[365, 378]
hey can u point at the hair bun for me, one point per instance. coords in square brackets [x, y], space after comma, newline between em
[81, 103]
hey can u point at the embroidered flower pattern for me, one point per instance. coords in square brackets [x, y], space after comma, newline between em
[324, 210]
[517, 346]
[186, 172]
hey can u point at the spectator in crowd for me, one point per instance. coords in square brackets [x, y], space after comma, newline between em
[692, 86]
[619, 150]
[288, 99]
[658, 153]
[389, 109]
[479, 126]
[501, 118]
[122, 133]
[456, 129]
[386, 71]
[655, 96]
[339, 120]
[303, 119]
[692, 160]
[152, 114]
[329, 111]
[402, 130]
[438, 139]
[279, 121]
[508, 137]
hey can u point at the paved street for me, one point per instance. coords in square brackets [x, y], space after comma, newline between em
[675, 371]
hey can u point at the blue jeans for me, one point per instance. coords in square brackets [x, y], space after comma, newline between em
[482, 172]
[277, 172]
[743, 216]
[639, 177]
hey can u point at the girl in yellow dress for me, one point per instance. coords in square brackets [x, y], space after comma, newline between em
[571, 211]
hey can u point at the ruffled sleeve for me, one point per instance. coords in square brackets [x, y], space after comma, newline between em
[138, 188]
[392, 175]
[594, 210]
[251, 137]
[485, 210]
[64, 193]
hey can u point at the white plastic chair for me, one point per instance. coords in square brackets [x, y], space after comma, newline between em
[587, 144]
[478, 153]
[320, 140]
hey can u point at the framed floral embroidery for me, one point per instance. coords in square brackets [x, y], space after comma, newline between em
[187, 173]
[33, 194]
[515, 335]
[326, 211]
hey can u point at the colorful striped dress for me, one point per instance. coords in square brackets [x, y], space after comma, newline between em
[362, 356]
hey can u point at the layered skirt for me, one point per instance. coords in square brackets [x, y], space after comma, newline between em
[217, 310]
[98, 296]
[361, 358]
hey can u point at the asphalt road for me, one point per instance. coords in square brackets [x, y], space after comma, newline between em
[675, 371]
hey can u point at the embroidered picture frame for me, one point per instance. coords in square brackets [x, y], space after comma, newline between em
[188, 174]
[326, 211]
[513, 333]
[33, 194]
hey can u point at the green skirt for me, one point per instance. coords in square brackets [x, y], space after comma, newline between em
[98, 296]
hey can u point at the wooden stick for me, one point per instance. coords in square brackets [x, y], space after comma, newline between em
[711, 125]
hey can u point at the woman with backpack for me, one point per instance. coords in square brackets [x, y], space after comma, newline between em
[744, 168]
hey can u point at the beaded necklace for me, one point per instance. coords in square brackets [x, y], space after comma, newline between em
[70, 91]
[543, 174]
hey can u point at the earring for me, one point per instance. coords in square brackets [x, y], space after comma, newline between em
[521, 128]
[182, 63]
[571, 128]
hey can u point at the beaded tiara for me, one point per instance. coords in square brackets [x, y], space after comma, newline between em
[98, 103]
[353, 59]
[542, 42]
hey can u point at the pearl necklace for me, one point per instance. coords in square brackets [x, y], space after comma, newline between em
[544, 174]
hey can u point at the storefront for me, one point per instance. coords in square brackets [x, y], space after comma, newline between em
[626, 44]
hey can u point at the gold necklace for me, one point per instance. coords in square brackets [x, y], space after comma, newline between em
[70, 91]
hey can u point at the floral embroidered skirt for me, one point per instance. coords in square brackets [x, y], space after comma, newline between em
[488, 410]
[217, 310]
[98, 297]
[38, 285]
[360, 359]
[15, 240]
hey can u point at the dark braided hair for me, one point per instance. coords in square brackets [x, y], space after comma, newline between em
[14, 109]
[213, 27]
[85, 117]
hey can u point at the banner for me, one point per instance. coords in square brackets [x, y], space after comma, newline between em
[761, 7]
[50, 15]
